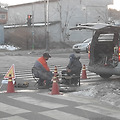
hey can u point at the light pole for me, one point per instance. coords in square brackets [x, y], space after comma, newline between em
[46, 12]
[33, 41]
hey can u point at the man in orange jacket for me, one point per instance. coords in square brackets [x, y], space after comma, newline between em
[42, 71]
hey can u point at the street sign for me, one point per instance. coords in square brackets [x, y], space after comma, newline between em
[10, 71]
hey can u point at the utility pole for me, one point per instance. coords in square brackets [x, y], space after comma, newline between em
[46, 12]
[45, 19]
[33, 35]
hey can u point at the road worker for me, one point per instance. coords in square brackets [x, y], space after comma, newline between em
[73, 68]
[42, 71]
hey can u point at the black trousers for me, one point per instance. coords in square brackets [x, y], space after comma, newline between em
[43, 76]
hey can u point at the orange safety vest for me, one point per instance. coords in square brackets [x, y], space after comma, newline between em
[43, 62]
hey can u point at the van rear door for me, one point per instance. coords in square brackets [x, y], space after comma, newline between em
[104, 48]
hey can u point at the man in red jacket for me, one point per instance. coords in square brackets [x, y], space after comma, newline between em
[42, 71]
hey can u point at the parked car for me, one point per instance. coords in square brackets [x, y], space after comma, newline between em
[104, 51]
[82, 47]
[87, 48]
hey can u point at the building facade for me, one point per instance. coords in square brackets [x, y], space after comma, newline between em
[61, 15]
[3, 20]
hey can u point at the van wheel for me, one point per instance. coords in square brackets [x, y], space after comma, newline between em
[105, 75]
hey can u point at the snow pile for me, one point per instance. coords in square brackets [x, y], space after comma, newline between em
[108, 92]
[87, 91]
[9, 47]
[111, 98]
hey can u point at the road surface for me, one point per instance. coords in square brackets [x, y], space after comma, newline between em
[32, 104]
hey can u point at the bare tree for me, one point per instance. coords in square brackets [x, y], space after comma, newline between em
[64, 24]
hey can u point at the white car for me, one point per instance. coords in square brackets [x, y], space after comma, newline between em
[82, 47]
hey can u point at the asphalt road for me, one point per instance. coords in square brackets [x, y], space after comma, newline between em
[32, 104]
[24, 60]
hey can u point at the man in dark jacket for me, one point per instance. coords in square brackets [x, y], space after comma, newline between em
[42, 71]
[73, 68]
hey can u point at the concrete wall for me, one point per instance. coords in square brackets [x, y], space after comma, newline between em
[96, 2]
[18, 14]
[23, 36]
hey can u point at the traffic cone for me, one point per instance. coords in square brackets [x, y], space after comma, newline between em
[84, 76]
[10, 87]
[55, 70]
[56, 73]
[55, 87]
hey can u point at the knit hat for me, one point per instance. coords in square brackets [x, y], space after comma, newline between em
[72, 56]
[46, 55]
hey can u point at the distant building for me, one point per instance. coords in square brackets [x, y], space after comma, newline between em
[3, 16]
[3, 20]
[63, 14]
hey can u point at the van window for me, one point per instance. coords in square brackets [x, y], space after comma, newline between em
[105, 37]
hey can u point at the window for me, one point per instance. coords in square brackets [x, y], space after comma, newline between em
[2, 16]
[105, 37]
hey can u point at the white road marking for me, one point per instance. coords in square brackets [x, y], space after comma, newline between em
[13, 118]
[101, 110]
[59, 115]
[11, 109]
[65, 97]
[38, 102]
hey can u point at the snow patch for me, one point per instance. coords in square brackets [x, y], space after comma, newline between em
[108, 91]
[9, 47]
[89, 91]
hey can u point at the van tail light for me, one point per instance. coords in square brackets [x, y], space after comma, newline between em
[119, 54]
[89, 51]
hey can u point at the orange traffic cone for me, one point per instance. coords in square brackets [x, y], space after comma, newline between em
[55, 70]
[84, 76]
[55, 87]
[56, 73]
[10, 87]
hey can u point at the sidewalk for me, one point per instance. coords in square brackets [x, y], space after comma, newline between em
[34, 52]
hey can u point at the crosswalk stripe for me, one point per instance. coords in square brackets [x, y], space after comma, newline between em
[37, 102]
[93, 76]
[13, 118]
[100, 110]
[65, 97]
[26, 74]
[95, 79]
[11, 109]
[59, 115]
[92, 108]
